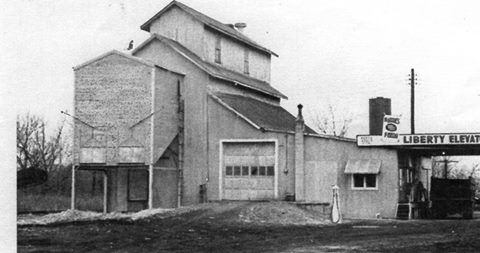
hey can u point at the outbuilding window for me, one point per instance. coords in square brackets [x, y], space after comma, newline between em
[364, 173]
[364, 181]
[246, 67]
[218, 50]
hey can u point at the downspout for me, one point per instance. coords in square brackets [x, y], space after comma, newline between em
[180, 145]
[299, 156]
[152, 146]
[204, 190]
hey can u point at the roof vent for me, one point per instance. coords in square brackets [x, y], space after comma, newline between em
[240, 26]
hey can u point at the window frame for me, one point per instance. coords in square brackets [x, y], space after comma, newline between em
[364, 187]
[246, 62]
[218, 50]
[238, 171]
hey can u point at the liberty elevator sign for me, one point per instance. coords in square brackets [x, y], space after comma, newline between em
[421, 139]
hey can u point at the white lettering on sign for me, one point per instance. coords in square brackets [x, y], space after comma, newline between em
[421, 140]
[390, 128]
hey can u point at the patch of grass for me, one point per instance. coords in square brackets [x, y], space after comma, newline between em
[31, 202]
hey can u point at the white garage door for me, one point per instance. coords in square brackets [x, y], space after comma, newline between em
[248, 171]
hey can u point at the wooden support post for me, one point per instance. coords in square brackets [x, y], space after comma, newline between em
[72, 205]
[150, 186]
[105, 193]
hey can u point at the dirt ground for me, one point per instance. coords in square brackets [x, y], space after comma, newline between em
[248, 227]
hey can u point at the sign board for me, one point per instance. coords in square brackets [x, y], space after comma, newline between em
[390, 128]
[421, 139]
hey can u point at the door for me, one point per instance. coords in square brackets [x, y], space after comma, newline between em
[249, 171]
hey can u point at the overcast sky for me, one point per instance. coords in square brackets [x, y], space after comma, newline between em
[331, 52]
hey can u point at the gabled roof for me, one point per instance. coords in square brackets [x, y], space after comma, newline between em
[214, 70]
[210, 22]
[139, 60]
[261, 115]
[128, 56]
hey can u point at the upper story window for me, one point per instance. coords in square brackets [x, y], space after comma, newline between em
[246, 68]
[218, 50]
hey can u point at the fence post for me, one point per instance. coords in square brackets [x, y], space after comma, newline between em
[73, 189]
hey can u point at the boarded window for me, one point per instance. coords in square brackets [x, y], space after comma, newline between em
[137, 184]
[131, 154]
[92, 155]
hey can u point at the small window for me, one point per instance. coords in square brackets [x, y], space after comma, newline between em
[254, 171]
[364, 181]
[245, 171]
[371, 180]
[229, 171]
[270, 171]
[262, 171]
[218, 50]
[246, 68]
[236, 171]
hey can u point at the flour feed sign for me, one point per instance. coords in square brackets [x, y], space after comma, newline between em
[421, 139]
[390, 128]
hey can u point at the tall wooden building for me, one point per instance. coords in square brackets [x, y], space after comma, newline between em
[191, 116]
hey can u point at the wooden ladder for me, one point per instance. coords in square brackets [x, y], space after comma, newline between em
[404, 211]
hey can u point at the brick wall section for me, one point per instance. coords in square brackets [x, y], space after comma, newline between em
[112, 94]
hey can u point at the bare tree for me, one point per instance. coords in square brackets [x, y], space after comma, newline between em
[454, 168]
[330, 123]
[443, 166]
[464, 171]
[35, 149]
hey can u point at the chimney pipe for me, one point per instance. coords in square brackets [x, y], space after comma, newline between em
[299, 156]
[300, 116]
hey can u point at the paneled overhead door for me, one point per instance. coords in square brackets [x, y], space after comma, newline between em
[248, 170]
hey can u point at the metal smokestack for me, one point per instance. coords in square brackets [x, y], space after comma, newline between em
[378, 107]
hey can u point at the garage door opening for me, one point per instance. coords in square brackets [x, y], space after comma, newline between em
[248, 169]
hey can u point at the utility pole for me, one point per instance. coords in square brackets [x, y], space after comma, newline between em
[412, 100]
[445, 162]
